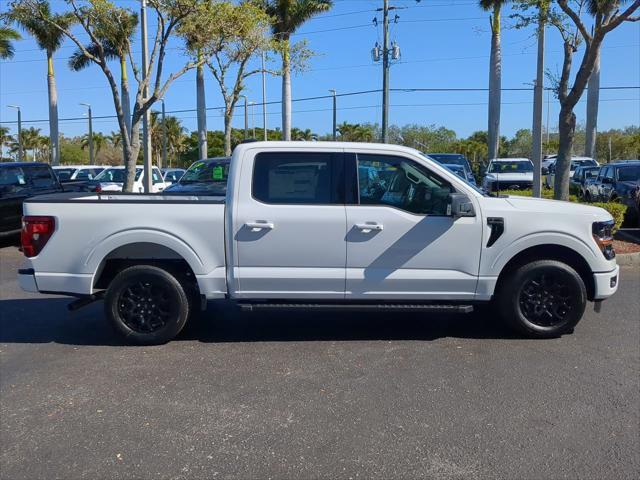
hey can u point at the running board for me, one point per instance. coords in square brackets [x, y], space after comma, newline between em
[423, 307]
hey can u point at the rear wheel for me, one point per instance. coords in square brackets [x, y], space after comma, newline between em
[542, 299]
[147, 305]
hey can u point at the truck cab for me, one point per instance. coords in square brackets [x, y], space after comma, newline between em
[323, 225]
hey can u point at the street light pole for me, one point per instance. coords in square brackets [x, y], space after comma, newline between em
[91, 157]
[536, 151]
[246, 117]
[20, 149]
[164, 137]
[146, 138]
[335, 115]
[264, 98]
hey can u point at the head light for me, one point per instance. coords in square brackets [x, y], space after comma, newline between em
[603, 236]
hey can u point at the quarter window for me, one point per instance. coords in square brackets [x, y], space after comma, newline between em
[401, 183]
[297, 178]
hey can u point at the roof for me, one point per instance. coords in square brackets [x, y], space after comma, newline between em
[58, 167]
[510, 160]
[326, 146]
[23, 164]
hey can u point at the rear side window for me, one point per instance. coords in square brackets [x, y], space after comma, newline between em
[41, 177]
[298, 178]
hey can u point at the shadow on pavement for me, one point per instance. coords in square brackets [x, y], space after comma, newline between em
[47, 320]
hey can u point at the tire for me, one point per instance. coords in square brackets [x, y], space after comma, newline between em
[542, 299]
[146, 305]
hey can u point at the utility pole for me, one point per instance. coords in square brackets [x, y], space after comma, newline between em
[385, 72]
[538, 91]
[335, 115]
[146, 138]
[91, 157]
[548, 113]
[246, 117]
[164, 137]
[20, 148]
[264, 98]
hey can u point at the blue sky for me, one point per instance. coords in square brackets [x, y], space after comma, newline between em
[444, 43]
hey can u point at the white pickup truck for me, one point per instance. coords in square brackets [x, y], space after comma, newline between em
[321, 225]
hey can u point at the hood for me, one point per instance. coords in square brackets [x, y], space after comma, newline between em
[542, 205]
[508, 177]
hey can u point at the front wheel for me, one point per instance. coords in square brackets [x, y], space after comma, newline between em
[542, 299]
[146, 305]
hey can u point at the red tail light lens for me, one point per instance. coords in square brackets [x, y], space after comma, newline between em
[36, 232]
[98, 188]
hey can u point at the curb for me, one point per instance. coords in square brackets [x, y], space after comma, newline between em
[628, 259]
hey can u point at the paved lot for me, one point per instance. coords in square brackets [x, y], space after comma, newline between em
[322, 395]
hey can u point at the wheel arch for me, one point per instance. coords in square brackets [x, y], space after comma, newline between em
[557, 252]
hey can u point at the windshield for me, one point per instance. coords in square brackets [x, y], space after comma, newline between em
[64, 174]
[519, 166]
[629, 174]
[213, 173]
[115, 175]
[449, 158]
[582, 163]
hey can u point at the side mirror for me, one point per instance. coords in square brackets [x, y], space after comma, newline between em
[607, 180]
[460, 206]
[545, 171]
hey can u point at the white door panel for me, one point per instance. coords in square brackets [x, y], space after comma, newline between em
[411, 256]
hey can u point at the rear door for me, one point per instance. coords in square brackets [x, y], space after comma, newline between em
[402, 242]
[289, 225]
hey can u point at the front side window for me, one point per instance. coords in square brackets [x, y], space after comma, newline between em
[296, 178]
[609, 173]
[401, 183]
[155, 176]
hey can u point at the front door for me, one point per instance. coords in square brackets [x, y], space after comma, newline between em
[402, 242]
[290, 226]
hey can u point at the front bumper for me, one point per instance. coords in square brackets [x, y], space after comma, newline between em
[27, 280]
[606, 284]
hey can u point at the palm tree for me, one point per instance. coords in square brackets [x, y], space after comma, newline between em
[495, 75]
[99, 141]
[6, 36]
[30, 141]
[115, 138]
[49, 38]
[115, 44]
[175, 136]
[288, 16]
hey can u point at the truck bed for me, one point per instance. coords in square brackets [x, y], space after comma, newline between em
[91, 229]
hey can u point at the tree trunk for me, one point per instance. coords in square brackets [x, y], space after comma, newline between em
[286, 91]
[228, 117]
[53, 111]
[126, 102]
[567, 130]
[202, 113]
[495, 85]
[131, 156]
[593, 99]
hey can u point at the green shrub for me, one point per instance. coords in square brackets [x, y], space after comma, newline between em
[617, 211]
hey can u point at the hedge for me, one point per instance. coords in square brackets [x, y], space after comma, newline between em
[617, 210]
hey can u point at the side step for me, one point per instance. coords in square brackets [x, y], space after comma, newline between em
[423, 307]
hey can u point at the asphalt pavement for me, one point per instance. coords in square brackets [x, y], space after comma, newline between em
[316, 395]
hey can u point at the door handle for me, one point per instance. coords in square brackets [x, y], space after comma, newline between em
[256, 226]
[369, 227]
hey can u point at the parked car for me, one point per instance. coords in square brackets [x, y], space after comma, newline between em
[615, 182]
[461, 172]
[19, 181]
[582, 175]
[67, 173]
[172, 175]
[204, 177]
[508, 174]
[296, 230]
[112, 180]
[575, 163]
[454, 159]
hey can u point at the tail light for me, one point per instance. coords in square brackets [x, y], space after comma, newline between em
[36, 232]
[98, 188]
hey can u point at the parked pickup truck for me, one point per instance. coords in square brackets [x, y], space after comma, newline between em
[300, 227]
